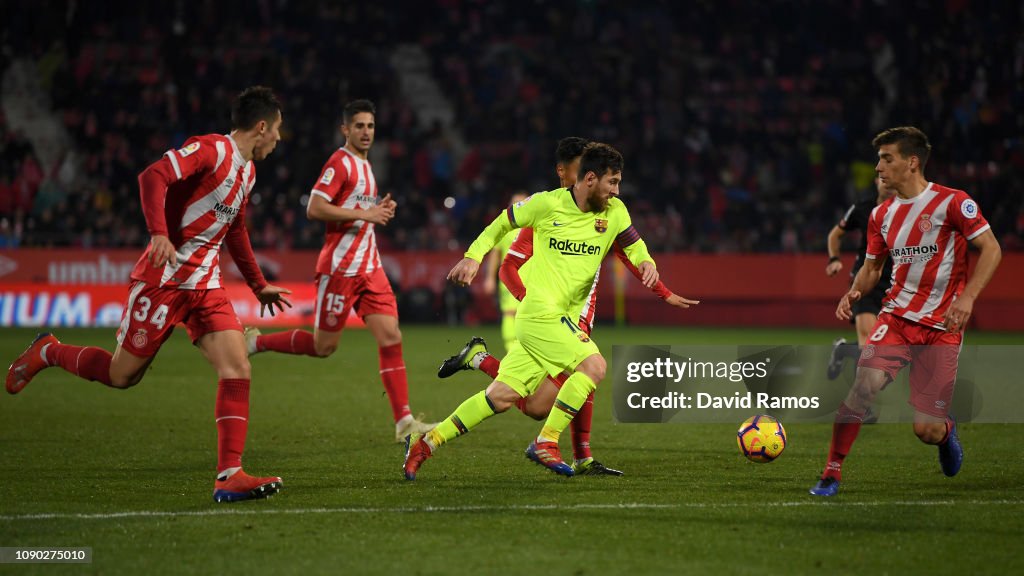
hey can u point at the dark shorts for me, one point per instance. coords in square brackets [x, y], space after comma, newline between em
[871, 303]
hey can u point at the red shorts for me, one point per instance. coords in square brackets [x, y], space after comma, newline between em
[336, 295]
[933, 356]
[151, 313]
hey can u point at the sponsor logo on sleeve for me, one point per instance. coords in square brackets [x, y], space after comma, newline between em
[969, 209]
[523, 202]
[188, 149]
[328, 177]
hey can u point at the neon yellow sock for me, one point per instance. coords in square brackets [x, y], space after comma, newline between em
[568, 402]
[473, 411]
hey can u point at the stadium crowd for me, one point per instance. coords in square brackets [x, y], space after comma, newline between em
[744, 127]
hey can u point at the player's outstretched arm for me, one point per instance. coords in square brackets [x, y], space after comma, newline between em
[272, 297]
[680, 301]
[238, 244]
[509, 275]
[960, 311]
[518, 254]
[464, 272]
[658, 287]
[835, 237]
[153, 183]
[319, 208]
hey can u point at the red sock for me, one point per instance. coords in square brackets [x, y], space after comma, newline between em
[288, 342]
[232, 413]
[489, 365]
[521, 404]
[844, 432]
[86, 362]
[580, 426]
[392, 374]
[949, 426]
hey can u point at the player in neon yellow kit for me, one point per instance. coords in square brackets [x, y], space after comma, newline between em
[507, 303]
[573, 231]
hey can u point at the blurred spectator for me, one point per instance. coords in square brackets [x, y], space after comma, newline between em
[744, 127]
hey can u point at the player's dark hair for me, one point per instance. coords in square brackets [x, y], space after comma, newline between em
[252, 105]
[600, 159]
[910, 141]
[355, 107]
[570, 149]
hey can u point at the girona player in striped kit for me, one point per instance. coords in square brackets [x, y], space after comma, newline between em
[925, 229]
[349, 272]
[194, 201]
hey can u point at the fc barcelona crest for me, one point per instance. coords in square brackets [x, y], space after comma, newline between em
[600, 225]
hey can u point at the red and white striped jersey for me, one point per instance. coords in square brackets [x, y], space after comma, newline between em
[926, 237]
[208, 183]
[351, 247]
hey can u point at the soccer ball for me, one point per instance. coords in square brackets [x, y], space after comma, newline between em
[761, 438]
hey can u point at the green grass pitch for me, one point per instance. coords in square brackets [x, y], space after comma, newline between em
[130, 474]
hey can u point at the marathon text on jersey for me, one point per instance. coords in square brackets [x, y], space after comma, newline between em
[224, 212]
[911, 254]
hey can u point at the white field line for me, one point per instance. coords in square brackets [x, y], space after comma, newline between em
[250, 511]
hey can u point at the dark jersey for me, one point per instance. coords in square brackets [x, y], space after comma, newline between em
[856, 218]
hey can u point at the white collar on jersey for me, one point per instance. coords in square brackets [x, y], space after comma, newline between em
[913, 200]
[235, 152]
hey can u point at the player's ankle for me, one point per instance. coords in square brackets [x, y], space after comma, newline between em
[227, 473]
[478, 359]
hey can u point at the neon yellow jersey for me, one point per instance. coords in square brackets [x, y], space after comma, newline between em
[505, 243]
[568, 247]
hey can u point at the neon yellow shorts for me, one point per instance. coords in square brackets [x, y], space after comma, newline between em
[545, 346]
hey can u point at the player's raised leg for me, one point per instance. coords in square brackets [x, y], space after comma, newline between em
[334, 300]
[225, 350]
[147, 321]
[384, 328]
[497, 398]
[473, 356]
[848, 421]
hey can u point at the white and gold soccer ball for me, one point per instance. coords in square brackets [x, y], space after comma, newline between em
[761, 438]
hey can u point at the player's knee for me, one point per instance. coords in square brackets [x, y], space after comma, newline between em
[930, 432]
[124, 381]
[499, 403]
[501, 397]
[238, 369]
[594, 367]
[390, 337]
[536, 412]
[323, 350]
